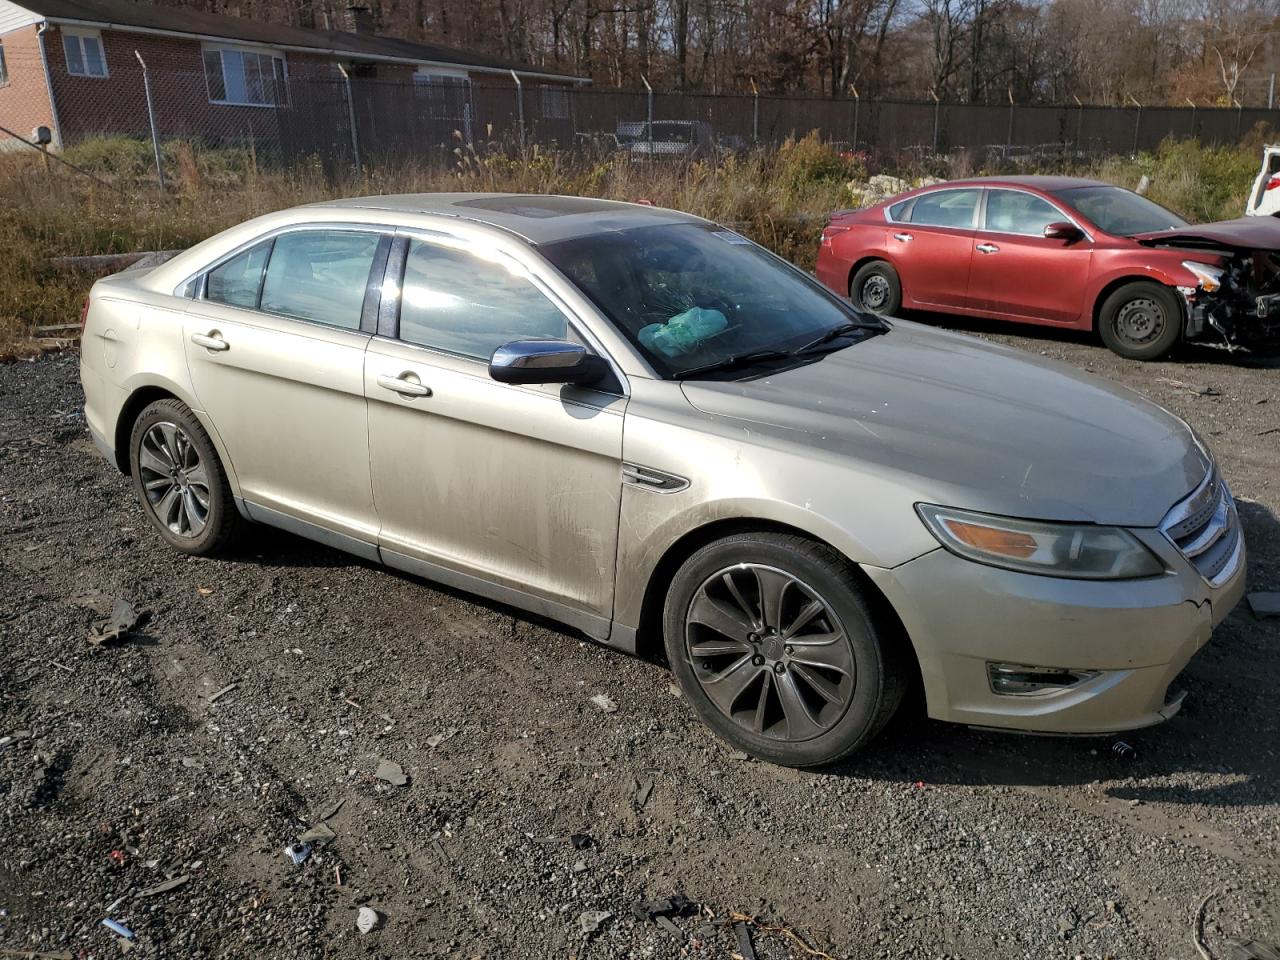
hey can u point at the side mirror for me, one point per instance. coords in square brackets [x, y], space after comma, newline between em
[1064, 231]
[545, 361]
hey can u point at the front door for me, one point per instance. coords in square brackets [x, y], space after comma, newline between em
[931, 252]
[509, 490]
[276, 353]
[1017, 273]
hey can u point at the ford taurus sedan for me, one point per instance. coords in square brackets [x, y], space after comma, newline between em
[1064, 252]
[645, 426]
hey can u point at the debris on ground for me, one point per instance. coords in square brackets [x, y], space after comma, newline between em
[605, 703]
[218, 695]
[298, 852]
[676, 905]
[391, 772]
[124, 617]
[742, 933]
[581, 841]
[1264, 604]
[1251, 950]
[117, 928]
[1198, 389]
[329, 810]
[746, 919]
[643, 790]
[590, 921]
[436, 739]
[1124, 750]
[165, 887]
[34, 954]
[368, 920]
[320, 833]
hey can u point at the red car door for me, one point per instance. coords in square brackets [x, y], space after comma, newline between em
[1016, 272]
[932, 245]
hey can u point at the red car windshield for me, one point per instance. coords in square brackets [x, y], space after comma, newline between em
[1120, 212]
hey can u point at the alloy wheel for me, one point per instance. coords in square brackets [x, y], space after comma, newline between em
[769, 652]
[1140, 321]
[174, 479]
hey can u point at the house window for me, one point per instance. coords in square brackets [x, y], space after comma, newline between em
[443, 95]
[4, 69]
[246, 78]
[555, 102]
[84, 53]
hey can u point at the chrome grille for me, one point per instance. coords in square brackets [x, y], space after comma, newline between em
[1206, 529]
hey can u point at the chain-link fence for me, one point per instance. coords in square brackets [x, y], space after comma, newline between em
[314, 112]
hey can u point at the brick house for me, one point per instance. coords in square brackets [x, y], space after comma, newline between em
[76, 67]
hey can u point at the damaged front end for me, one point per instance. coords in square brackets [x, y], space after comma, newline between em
[1236, 299]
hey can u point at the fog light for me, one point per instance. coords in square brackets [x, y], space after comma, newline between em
[1020, 680]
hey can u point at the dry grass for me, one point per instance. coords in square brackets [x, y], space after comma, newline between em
[779, 198]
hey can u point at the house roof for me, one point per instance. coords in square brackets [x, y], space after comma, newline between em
[146, 17]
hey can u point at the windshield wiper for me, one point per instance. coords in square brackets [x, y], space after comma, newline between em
[843, 330]
[736, 362]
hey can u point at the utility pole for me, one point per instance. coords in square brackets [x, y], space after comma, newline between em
[975, 53]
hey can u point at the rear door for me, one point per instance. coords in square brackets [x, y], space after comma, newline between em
[275, 342]
[484, 484]
[932, 248]
[1016, 273]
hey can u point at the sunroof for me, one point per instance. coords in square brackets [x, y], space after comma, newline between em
[538, 207]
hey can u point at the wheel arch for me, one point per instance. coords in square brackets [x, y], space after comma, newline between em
[649, 643]
[1115, 283]
[137, 401]
[862, 262]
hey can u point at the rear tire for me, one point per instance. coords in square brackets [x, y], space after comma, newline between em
[1141, 320]
[775, 647]
[180, 481]
[875, 287]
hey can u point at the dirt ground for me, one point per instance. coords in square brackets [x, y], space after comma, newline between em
[526, 806]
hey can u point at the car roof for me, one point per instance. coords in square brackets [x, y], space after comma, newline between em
[1035, 182]
[537, 218]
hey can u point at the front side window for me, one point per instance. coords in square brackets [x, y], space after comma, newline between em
[84, 54]
[692, 295]
[237, 282]
[320, 275]
[454, 301]
[1012, 211]
[946, 208]
[1119, 211]
[245, 77]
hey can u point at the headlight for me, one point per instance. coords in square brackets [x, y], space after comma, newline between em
[1078, 551]
[1210, 277]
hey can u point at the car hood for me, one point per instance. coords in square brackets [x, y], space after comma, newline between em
[1245, 233]
[975, 425]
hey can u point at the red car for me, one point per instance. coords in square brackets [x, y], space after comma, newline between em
[1064, 252]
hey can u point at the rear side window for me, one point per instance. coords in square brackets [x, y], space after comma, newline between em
[899, 210]
[1011, 211]
[459, 303]
[320, 275]
[236, 282]
[946, 208]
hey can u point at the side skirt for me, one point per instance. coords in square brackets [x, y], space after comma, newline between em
[601, 629]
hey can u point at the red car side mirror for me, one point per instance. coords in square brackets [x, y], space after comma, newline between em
[1067, 232]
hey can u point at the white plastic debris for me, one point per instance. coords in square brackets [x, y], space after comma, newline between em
[368, 920]
[605, 703]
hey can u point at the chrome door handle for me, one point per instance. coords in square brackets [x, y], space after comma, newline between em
[903, 237]
[400, 385]
[210, 341]
[987, 248]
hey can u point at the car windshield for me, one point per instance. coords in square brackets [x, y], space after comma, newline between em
[1120, 212]
[691, 296]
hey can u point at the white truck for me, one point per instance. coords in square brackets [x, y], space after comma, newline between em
[1264, 198]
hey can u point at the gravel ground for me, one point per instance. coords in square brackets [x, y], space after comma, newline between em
[526, 806]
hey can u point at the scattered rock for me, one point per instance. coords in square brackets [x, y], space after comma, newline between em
[590, 921]
[320, 833]
[581, 841]
[391, 772]
[436, 739]
[605, 703]
[1264, 604]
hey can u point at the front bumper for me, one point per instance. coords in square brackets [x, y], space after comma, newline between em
[1139, 634]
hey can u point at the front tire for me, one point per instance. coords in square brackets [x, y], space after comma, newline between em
[775, 647]
[875, 287]
[180, 481]
[1141, 320]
